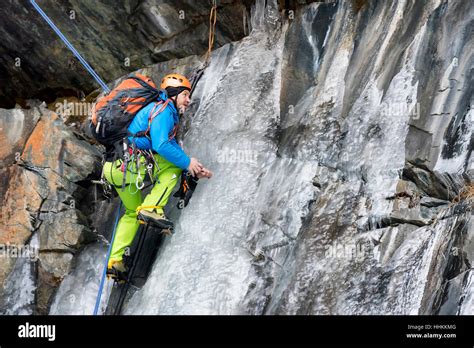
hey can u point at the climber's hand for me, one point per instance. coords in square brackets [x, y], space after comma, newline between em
[205, 173]
[195, 167]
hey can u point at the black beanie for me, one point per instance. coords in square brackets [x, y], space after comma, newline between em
[173, 91]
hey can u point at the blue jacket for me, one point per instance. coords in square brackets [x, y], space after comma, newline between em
[162, 128]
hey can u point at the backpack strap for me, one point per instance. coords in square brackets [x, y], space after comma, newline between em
[143, 83]
[173, 132]
[152, 116]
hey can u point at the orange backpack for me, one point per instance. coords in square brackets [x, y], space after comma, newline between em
[113, 113]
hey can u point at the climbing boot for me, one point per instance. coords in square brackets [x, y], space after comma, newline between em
[117, 271]
[157, 220]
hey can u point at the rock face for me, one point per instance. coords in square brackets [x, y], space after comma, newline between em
[357, 254]
[114, 37]
[44, 198]
[350, 199]
[15, 127]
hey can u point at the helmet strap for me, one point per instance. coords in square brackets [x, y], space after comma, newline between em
[174, 100]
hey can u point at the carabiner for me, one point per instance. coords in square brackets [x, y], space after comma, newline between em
[139, 179]
[149, 168]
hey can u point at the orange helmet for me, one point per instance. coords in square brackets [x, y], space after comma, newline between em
[175, 80]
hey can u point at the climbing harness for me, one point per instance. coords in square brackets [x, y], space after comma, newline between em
[112, 117]
[141, 159]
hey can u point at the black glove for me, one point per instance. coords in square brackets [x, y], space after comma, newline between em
[186, 189]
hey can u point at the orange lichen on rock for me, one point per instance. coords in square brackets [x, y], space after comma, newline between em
[40, 141]
[20, 198]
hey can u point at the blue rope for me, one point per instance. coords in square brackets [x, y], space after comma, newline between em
[104, 273]
[70, 46]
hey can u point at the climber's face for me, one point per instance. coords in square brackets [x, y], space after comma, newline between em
[183, 100]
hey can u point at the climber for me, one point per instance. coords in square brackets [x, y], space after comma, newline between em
[168, 159]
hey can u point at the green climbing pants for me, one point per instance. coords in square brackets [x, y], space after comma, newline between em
[168, 175]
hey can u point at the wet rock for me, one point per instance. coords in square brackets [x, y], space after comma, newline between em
[56, 265]
[431, 202]
[466, 302]
[406, 207]
[6, 266]
[44, 291]
[470, 167]
[390, 240]
[66, 230]
[71, 299]
[433, 184]
[173, 47]
[413, 241]
[448, 263]
[418, 148]
[52, 268]
[20, 288]
[302, 56]
[453, 294]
